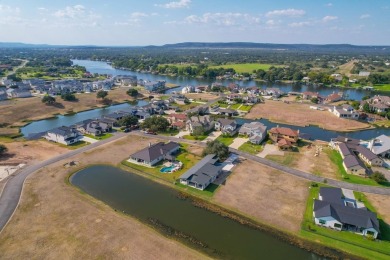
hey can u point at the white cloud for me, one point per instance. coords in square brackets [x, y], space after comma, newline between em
[299, 24]
[226, 19]
[329, 5]
[138, 15]
[71, 12]
[365, 16]
[175, 5]
[9, 9]
[286, 12]
[10, 15]
[329, 18]
[78, 14]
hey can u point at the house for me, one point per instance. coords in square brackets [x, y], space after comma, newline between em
[227, 112]
[345, 111]
[155, 153]
[364, 73]
[63, 135]
[274, 92]
[380, 146]
[154, 86]
[309, 95]
[333, 211]
[348, 149]
[188, 89]
[334, 98]
[3, 94]
[177, 120]
[353, 166]
[368, 157]
[226, 126]
[126, 80]
[278, 133]
[377, 104]
[256, 132]
[199, 121]
[203, 173]
[18, 93]
[95, 127]
[351, 142]
[337, 76]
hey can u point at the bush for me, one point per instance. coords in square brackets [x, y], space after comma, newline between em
[378, 177]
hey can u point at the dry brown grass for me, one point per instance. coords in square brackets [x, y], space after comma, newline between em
[382, 205]
[203, 96]
[18, 110]
[56, 221]
[301, 115]
[347, 67]
[268, 195]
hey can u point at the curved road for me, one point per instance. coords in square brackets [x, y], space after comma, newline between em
[12, 191]
[10, 196]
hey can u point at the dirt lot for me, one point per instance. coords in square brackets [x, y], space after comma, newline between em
[266, 194]
[16, 111]
[381, 204]
[56, 221]
[300, 114]
[202, 96]
[29, 151]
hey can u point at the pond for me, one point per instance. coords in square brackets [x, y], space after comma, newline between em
[147, 200]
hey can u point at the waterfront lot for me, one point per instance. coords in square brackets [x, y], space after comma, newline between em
[266, 195]
[246, 67]
[348, 241]
[300, 114]
[18, 111]
[56, 221]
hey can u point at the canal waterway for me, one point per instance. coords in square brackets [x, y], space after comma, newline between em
[105, 68]
[61, 120]
[147, 200]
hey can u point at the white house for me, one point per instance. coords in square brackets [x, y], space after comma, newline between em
[226, 126]
[256, 131]
[63, 135]
[380, 146]
[188, 89]
[346, 111]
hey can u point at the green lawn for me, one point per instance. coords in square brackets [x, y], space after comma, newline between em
[227, 140]
[223, 105]
[75, 146]
[245, 108]
[343, 240]
[251, 148]
[100, 137]
[246, 67]
[170, 132]
[206, 194]
[382, 87]
[336, 158]
[186, 157]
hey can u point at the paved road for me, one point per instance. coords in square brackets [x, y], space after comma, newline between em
[12, 191]
[295, 172]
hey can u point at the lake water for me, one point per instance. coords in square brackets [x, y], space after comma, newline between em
[105, 68]
[47, 124]
[145, 200]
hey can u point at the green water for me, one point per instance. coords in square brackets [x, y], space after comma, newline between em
[145, 200]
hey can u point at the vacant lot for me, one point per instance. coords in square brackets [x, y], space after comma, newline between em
[56, 221]
[29, 151]
[381, 204]
[265, 194]
[300, 114]
[17, 111]
[201, 96]
[246, 67]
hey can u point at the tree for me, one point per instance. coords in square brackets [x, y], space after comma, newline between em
[198, 131]
[366, 108]
[128, 120]
[101, 94]
[218, 148]
[132, 92]
[68, 97]
[314, 100]
[48, 100]
[3, 149]
[156, 124]
[378, 177]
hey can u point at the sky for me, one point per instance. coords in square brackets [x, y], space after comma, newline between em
[159, 22]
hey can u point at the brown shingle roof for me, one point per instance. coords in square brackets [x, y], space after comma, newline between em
[284, 131]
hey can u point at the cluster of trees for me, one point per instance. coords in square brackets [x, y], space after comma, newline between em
[132, 92]
[128, 121]
[218, 148]
[48, 100]
[376, 78]
[102, 94]
[68, 97]
[379, 177]
[156, 124]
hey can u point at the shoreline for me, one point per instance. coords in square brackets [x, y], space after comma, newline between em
[197, 201]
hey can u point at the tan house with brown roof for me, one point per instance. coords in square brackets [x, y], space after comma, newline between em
[278, 133]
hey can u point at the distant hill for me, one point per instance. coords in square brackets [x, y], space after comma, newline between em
[276, 46]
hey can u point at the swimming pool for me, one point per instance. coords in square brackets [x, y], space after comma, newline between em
[167, 169]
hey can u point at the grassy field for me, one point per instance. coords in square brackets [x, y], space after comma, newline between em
[382, 87]
[251, 148]
[336, 158]
[100, 137]
[235, 106]
[227, 140]
[245, 108]
[346, 241]
[246, 67]
[288, 159]
[186, 157]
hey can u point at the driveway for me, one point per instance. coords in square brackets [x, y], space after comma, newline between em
[238, 142]
[212, 136]
[182, 133]
[89, 139]
[270, 149]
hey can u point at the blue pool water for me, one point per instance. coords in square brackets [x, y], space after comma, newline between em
[167, 169]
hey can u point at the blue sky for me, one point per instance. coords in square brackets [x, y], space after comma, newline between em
[157, 22]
